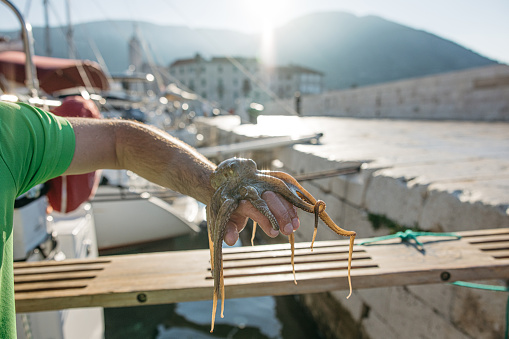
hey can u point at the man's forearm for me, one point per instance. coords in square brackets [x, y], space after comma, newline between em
[164, 160]
[147, 151]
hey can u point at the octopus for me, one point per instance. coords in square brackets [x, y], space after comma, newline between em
[239, 179]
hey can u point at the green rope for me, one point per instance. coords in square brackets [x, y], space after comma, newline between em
[481, 286]
[409, 235]
[490, 288]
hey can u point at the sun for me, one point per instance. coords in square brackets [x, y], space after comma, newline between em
[267, 14]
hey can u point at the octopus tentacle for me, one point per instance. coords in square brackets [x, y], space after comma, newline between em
[297, 188]
[279, 186]
[291, 238]
[210, 221]
[260, 204]
[223, 215]
[322, 214]
[291, 180]
[328, 221]
[319, 208]
[211, 211]
[254, 233]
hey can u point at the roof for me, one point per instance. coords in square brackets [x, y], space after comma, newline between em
[198, 59]
[181, 62]
[54, 74]
[298, 69]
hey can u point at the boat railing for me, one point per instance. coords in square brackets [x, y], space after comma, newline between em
[31, 81]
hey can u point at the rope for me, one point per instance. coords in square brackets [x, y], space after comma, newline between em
[410, 235]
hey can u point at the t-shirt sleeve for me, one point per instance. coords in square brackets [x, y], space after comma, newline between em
[36, 145]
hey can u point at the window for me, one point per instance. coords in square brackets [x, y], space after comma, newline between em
[220, 88]
[246, 87]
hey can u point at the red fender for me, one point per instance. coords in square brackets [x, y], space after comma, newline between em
[66, 193]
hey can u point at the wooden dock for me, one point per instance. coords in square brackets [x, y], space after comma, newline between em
[181, 276]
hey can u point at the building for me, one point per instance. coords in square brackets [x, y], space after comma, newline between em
[288, 80]
[225, 80]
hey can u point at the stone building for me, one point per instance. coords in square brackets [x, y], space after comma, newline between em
[226, 80]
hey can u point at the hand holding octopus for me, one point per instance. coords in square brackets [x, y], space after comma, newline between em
[237, 180]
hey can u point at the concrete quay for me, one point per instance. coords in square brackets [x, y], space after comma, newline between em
[442, 176]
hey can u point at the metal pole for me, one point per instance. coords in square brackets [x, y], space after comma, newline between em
[70, 32]
[31, 80]
[47, 28]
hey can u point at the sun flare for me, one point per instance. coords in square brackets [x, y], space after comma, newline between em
[267, 14]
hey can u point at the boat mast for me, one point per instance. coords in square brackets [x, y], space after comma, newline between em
[47, 28]
[70, 31]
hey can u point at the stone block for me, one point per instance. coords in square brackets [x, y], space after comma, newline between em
[338, 185]
[437, 297]
[353, 305]
[356, 188]
[356, 219]
[395, 199]
[479, 313]
[407, 315]
[376, 327]
[445, 211]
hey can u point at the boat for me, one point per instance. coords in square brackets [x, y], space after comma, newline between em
[130, 210]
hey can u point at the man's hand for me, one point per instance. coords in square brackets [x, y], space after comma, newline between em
[285, 213]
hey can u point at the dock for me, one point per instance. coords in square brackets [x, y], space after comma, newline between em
[181, 276]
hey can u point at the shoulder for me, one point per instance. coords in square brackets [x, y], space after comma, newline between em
[36, 145]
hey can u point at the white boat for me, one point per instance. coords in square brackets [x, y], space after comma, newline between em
[131, 210]
[127, 219]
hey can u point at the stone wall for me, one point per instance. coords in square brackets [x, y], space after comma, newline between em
[360, 202]
[474, 94]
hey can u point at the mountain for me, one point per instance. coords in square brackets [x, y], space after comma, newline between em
[355, 51]
[351, 51]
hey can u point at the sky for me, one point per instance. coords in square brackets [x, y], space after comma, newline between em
[479, 25]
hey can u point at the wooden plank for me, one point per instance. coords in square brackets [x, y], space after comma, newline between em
[256, 271]
[258, 144]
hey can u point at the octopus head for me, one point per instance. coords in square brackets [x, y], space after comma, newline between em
[232, 169]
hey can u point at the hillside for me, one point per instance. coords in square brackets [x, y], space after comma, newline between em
[350, 50]
[356, 51]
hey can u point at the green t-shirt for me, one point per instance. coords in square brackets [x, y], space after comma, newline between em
[35, 146]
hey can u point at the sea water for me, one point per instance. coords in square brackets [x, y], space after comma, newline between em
[261, 317]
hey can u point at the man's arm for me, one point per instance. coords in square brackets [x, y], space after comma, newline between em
[164, 160]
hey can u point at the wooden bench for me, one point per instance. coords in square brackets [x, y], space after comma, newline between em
[171, 277]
